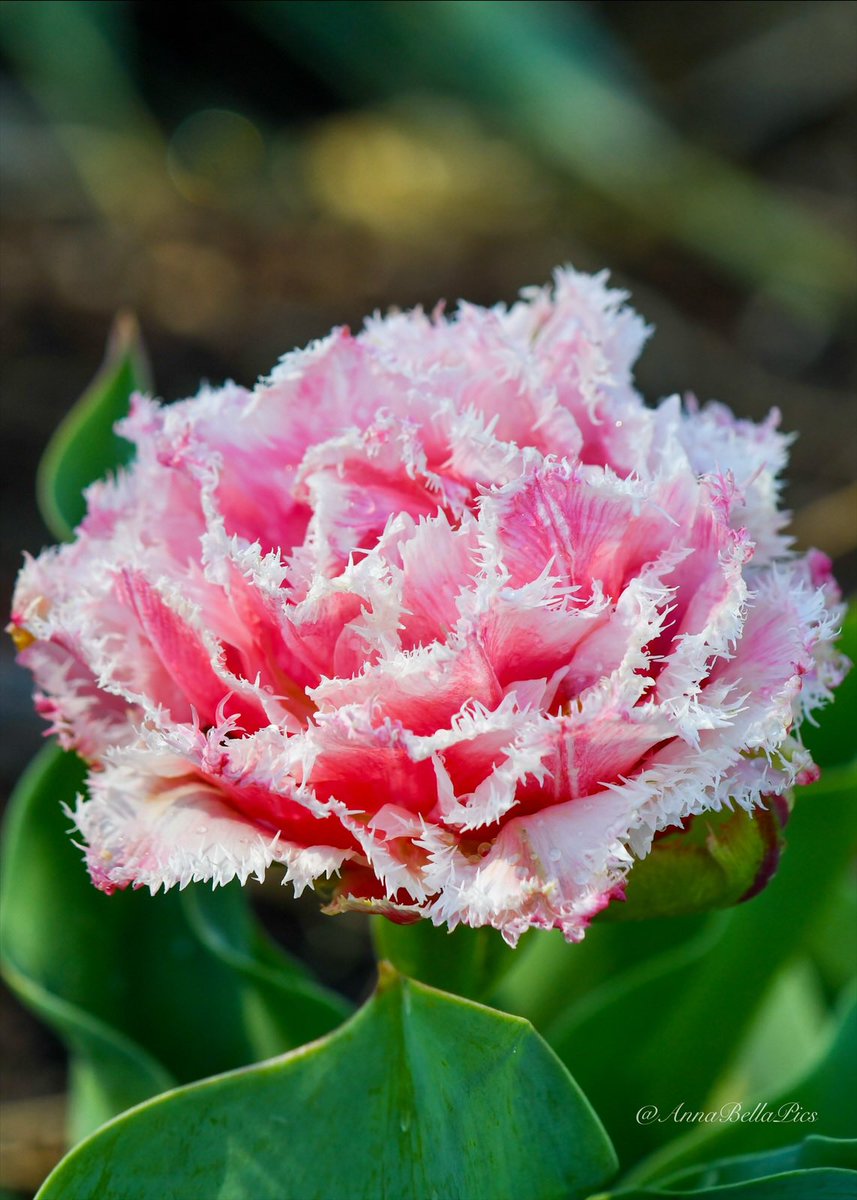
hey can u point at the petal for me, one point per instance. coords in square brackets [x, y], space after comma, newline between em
[180, 831]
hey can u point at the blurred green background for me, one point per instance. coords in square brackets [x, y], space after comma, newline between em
[243, 175]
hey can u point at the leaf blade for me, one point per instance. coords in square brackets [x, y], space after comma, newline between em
[84, 447]
[817, 1166]
[436, 1082]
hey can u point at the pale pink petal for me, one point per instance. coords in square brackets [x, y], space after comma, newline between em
[442, 608]
[182, 832]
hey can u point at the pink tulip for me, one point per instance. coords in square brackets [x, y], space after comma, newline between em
[443, 611]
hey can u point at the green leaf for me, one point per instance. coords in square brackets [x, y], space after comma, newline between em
[125, 980]
[816, 1167]
[720, 859]
[420, 1095]
[684, 1017]
[84, 447]
[811, 1152]
[820, 1183]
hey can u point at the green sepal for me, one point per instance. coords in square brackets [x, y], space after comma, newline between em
[717, 860]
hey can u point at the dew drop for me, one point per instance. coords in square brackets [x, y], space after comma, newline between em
[554, 855]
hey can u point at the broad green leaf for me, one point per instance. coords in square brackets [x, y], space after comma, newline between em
[684, 1019]
[468, 962]
[127, 982]
[826, 1089]
[817, 1167]
[420, 1095]
[84, 447]
[720, 859]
